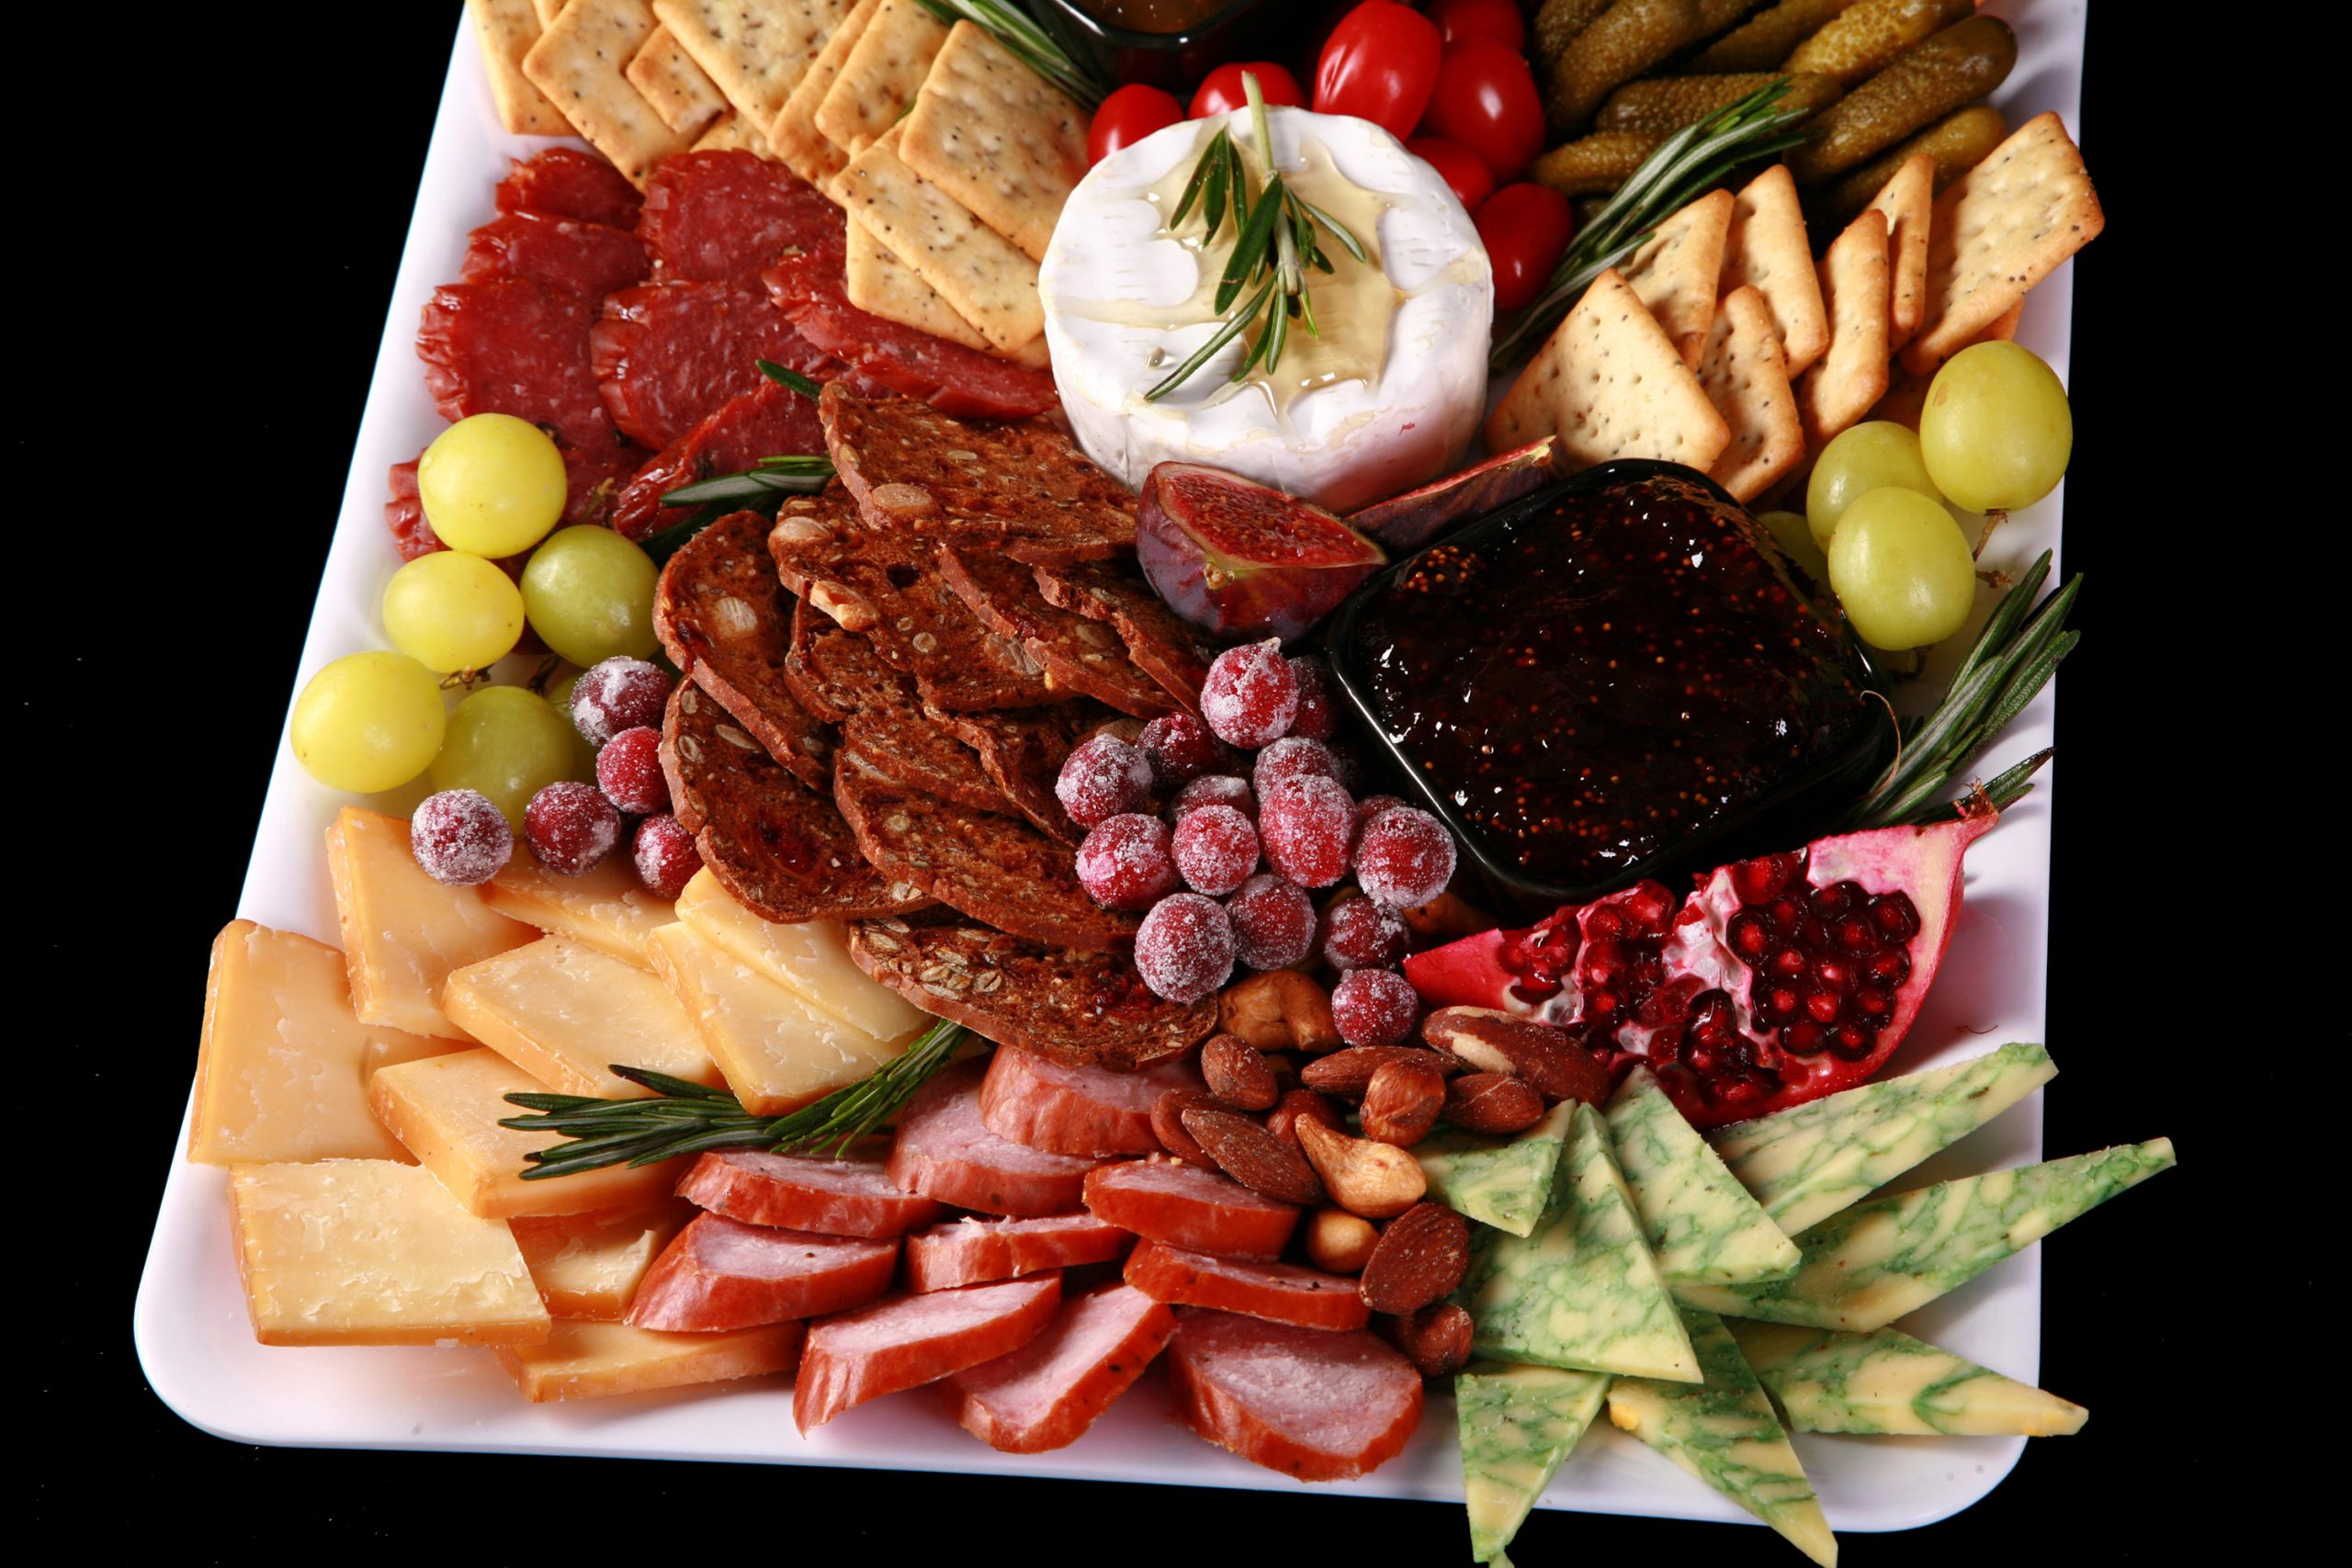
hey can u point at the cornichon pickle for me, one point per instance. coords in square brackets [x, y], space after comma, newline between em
[1763, 41]
[1714, 16]
[1595, 165]
[1958, 142]
[1925, 82]
[1866, 39]
[1664, 104]
[1558, 25]
[1631, 37]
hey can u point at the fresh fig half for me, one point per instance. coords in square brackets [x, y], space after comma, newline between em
[1241, 560]
[1403, 524]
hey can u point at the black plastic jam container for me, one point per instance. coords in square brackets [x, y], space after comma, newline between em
[1792, 808]
[1241, 29]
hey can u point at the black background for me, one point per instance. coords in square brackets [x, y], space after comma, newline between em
[257, 231]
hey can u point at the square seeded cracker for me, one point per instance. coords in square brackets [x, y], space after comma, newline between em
[578, 64]
[1747, 381]
[806, 150]
[1677, 273]
[984, 278]
[1610, 383]
[880, 76]
[882, 285]
[686, 99]
[1000, 138]
[728, 133]
[1836, 393]
[1908, 199]
[506, 29]
[1767, 247]
[755, 51]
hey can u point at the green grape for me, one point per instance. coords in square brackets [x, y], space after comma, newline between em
[491, 485]
[1997, 431]
[507, 743]
[589, 593]
[450, 611]
[584, 748]
[1795, 535]
[368, 722]
[1856, 461]
[1901, 570]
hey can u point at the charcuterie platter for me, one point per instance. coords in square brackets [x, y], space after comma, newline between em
[890, 863]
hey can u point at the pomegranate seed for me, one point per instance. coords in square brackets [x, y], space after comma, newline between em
[1804, 1037]
[1124, 861]
[1373, 1007]
[1749, 935]
[1739, 1091]
[1250, 698]
[1316, 719]
[665, 855]
[1599, 1005]
[571, 827]
[1896, 915]
[1813, 935]
[1184, 947]
[1702, 1060]
[1872, 1003]
[1856, 936]
[1761, 880]
[1102, 777]
[1889, 968]
[1851, 1042]
[1787, 964]
[1274, 922]
[1784, 914]
[1781, 1003]
[1604, 963]
[1828, 903]
[1650, 908]
[1831, 975]
[1363, 934]
[1180, 748]
[616, 695]
[629, 769]
[1604, 924]
[459, 837]
[1823, 1007]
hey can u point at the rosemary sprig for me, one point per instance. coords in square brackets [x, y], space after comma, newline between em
[765, 479]
[690, 1118]
[1011, 25]
[2013, 659]
[784, 375]
[1685, 167]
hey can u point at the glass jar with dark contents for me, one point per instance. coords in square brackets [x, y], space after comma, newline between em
[1609, 679]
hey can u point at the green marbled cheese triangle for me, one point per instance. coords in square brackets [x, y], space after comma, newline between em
[1505, 1185]
[1580, 1290]
[1808, 1162]
[1518, 1425]
[1887, 1383]
[1703, 1227]
[1870, 1265]
[1724, 1432]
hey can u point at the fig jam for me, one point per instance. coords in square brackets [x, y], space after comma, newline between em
[1606, 676]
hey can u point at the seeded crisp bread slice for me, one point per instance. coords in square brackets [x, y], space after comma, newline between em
[1767, 247]
[506, 29]
[724, 619]
[1076, 653]
[1609, 384]
[882, 285]
[1748, 381]
[881, 75]
[1908, 201]
[985, 278]
[806, 150]
[998, 137]
[1853, 375]
[686, 98]
[755, 51]
[1675, 273]
[578, 64]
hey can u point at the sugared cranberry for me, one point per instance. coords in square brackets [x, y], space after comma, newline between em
[1274, 922]
[1184, 947]
[1123, 863]
[619, 693]
[1102, 777]
[1373, 1007]
[1292, 757]
[1346, 766]
[1316, 719]
[1403, 858]
[1250, 696]
[571, 827]
[1180, 747]
[629, 769]
[1214, 789]
[1303, 825]
[665, 855]
[459, 837]
[1361, 934]
[1216, 849]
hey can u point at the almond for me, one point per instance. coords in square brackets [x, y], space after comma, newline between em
[1349, 1072]
[1495, 1042]
[1436, 1339]
[1281, 1009]
[1421, 1258]
[1168, 1122]
[1241, 1147]
[1303, 1102]
[1239, 1074]
[1401, 1102]
[1365, 1177]
[1491, 1102]
[1340, 1242]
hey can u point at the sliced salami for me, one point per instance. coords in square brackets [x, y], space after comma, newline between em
[1165, 646]
[514, 346]
[1046, 1395]
[723, 619]
[1077, 654]
[830, 1196]
[721, 215]
[1309, 1403]
[1185, 1206]
[949, 377]
[767, 422]
[404, 514]
[666, 355]
[590, 259]
[592, 479]
[944, 1150]
[970, 1251]
[906, 1341]
[719, 1273]
[1069, 1109]
[568, 183]
[1279, 1293]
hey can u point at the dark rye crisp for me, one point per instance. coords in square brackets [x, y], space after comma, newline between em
[1077, 654]
[1082, 1008]
[723, 619]
[1022, 750]
[1165, 646]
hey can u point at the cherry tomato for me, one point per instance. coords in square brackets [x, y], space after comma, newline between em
[1497, 20]
[1380, 64]
[1222, 90]
[1462, 168]
[1526, 228]
[1127, 117]
[1486, 99]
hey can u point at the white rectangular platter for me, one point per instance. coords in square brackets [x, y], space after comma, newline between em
[197, 1348]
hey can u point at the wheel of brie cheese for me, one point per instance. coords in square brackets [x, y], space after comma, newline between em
[1384, 397]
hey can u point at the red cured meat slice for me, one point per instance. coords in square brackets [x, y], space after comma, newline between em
[949, 377]
[1186, 1206]
[906, 1341]
[720, 1273]
[404, 514]
[593, 478]
[1046, 1395]
[727, 214]
[586, 258]
[569, 183]
[514, 346]
[971, 1251]
[944, 1150]
[767, 422]
[1066, 1109]
[832, 1197]
[1281, 1292]
[666, 355]
[1309, 1403]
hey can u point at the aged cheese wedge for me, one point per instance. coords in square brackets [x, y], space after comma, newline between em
[370, 1252]
[588, 1360]
[777, 1051]
[1518, 1425]
[447, 1110]
[1887, 1381]
[606, 907]
[588, 1266]
[811, 959]
[1807, 1162]
[1505, 1185]
[1869, 1266]
[402, 932]
[282, 1072]
[1724, 1433]
[1582, 1291]
[566, 1014]
[1704, 1226]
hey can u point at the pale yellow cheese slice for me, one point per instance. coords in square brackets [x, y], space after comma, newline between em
[606, 907]
[588, 1266]
[809, 959]
[567, 1014]
[402, 932]
[586, 1360]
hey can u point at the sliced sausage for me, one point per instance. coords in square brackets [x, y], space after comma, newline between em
[1073, 1109]
[1279, 1293]
[1186, 1206]
[970, 1251]
[906, 1341]
[1046, 1395]
[833, 1197]
[720, 1273]
[944, 1150]
[1318, 1405]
